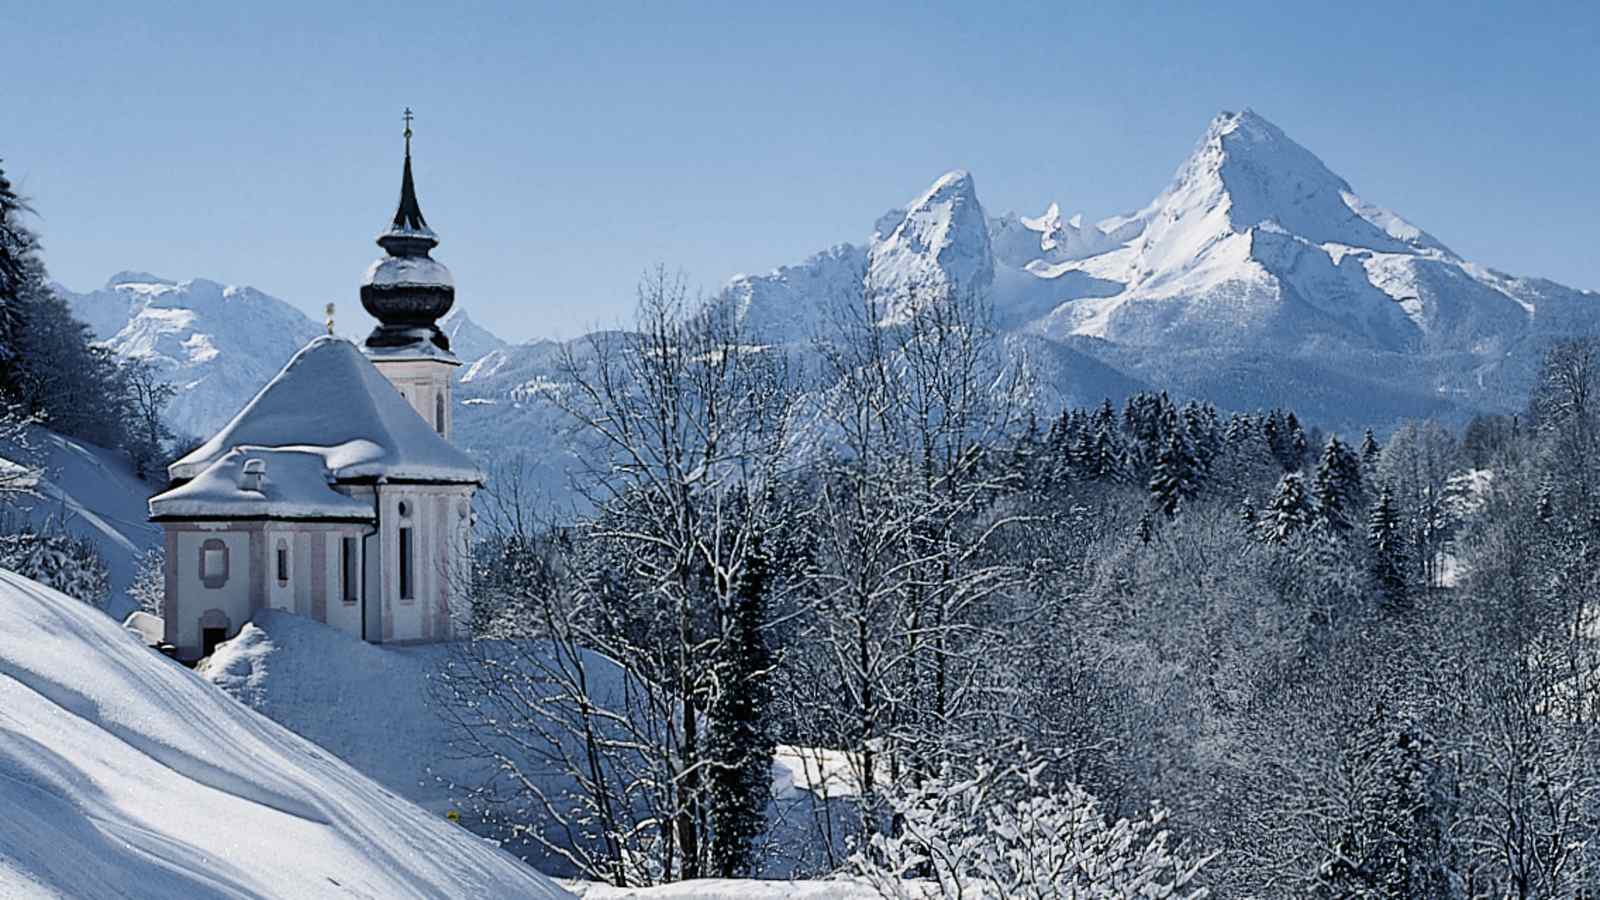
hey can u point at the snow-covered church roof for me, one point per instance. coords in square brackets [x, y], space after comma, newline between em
[331, 402]
[262, 482]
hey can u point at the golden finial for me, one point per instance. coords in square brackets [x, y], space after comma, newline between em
[328, 311]
[408, 117]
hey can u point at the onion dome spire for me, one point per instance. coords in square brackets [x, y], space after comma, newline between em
[406, 290]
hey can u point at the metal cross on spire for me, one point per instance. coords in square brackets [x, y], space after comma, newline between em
[408, 117]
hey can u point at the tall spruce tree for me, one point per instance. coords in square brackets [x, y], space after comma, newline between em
[1175, 480]
[1290, 511]
[1337, 486]
[1387, 543]
[21, 273]
[1369, 450]
[740, 742]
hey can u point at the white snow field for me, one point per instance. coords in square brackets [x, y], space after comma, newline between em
[123, 775]
[729, 889]
[93, 493]
[370, 706]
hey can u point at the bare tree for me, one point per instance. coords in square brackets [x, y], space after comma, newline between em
[906, 557]
[692, 423]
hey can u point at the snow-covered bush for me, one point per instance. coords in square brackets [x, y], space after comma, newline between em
[1001, 833]
[149, 587]
[62, 561]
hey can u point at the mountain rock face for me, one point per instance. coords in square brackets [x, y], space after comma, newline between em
[1257, 278]
[217, 344]
[468, 340]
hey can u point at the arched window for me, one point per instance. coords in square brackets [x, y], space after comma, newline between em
[438, 412]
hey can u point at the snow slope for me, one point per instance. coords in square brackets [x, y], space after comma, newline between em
[468, 340]
[123, 775]
[729, 889]
[93, 493]
[370, 705]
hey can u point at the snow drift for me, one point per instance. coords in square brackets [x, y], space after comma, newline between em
[372, 706]
[123, 775]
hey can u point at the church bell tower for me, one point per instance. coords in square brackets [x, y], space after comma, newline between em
[408, 291]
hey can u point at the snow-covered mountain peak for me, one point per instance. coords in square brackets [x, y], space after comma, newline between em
[216, 343]
[1247, 173]
[940, 243]
[468, 339]
[131, 277]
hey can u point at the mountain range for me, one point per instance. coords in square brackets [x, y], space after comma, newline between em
[1257, 278]
[216, 344]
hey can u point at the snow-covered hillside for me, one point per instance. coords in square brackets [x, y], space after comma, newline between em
[469, 341]
[122, 775]
[371, 706]
[90, 492]
[731, 889]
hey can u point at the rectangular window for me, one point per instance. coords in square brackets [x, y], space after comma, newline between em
[407, 586]
[351, 566]
[283, 565]
[213, 563]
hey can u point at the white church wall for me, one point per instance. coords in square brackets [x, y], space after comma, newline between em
[280, 559]
[229, 594]
[439, 559]
[343, 613]
[303, 583]
[426, 384]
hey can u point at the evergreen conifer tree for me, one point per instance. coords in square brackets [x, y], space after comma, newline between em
[1174, 481]
[740, 742]
[1369, 450]
[21, 274]
[1388, 551]
[1392, 843]
[1298, 447]
[1289, 512]
[1337, 487]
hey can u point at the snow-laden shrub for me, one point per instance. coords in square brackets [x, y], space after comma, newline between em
[1000, 833]
[62, 561]
[149, 587]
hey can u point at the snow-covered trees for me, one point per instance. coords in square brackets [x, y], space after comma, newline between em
[1337, 487]
[1172, 604]
[741, 740]
[51, 370]
[21, 273]
[1416, 465]
[1388, 552]
[1289, 513]
[644, 607]
[999, 832]
[149, 588]
[59, 560]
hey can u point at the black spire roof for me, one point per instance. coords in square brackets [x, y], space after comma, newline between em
[409, 216]
[406, 290]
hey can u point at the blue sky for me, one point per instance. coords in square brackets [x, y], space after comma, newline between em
[562, 149]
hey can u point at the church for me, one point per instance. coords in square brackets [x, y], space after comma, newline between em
[335, 493]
